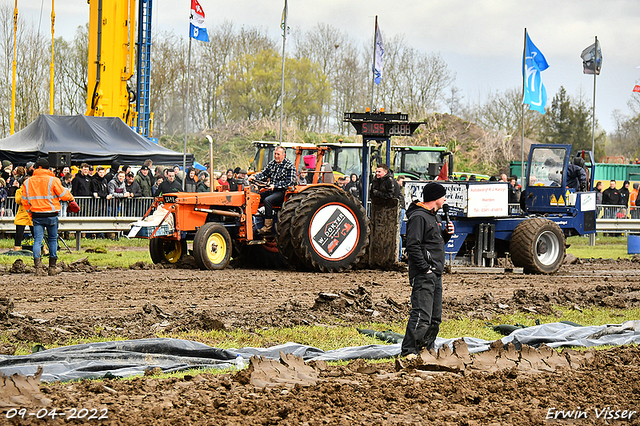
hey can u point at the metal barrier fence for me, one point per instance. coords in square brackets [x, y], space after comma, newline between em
[137, 207]
[617, 212]
[94, 207]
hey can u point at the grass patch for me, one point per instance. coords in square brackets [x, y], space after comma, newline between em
[125, 252]
[605, 248]
[120, 253]
[321, 337]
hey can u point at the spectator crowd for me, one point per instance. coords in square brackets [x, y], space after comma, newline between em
[111, 185]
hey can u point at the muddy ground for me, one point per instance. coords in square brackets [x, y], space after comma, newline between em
[139, 302]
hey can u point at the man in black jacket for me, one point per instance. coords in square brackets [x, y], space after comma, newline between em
[611, 197]
[169, 185]
[624, 194]
[81, 183]
[100, 190]
[384, 187]
[425, 252]
[100, 184]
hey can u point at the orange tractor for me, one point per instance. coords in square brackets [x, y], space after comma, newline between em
[319, 227]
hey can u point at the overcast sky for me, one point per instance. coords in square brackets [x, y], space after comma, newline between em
[480, 40]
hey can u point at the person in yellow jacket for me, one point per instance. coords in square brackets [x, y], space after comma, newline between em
[22, 220]
[41, 195]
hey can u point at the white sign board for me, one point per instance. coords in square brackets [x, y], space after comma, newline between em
[467, 199]
[488, 200]
[587, 201]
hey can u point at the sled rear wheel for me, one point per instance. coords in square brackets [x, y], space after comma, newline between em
[538, 246]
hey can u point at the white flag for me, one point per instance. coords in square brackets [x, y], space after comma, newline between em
[378, 63]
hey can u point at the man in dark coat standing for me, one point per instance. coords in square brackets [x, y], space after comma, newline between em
[425, 253]
[624, 194]
[384, 185]
[611, 196]
[168, 186]
[143, 179]
[81, 184]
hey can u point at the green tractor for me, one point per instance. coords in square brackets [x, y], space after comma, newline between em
[422, 162]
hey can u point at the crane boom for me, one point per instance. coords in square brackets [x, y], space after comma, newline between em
[112, 54]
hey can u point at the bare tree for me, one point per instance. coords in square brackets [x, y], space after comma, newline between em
[32, 90]
[71, 73]
[413, 82]
[502, 112]
[211, 69]
[330, 48]
[168, 83]
[32, 64]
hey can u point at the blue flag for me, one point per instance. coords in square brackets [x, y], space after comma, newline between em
[197, 28]
[533, 64]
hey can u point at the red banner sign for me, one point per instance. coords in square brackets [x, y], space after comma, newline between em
[636, 88]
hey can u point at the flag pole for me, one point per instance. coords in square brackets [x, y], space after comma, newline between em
[523, 182]
[593, 118]
[13, 81]
[186, 120]
[373, 72]
[284, 44]
[51, 94]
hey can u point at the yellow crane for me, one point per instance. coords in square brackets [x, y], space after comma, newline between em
[112, 56]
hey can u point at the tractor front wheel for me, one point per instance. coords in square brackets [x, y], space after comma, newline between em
[538, 246]
[167, 251]
[212, 246]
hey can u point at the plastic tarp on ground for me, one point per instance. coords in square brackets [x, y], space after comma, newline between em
[133, 357]
[93, 140]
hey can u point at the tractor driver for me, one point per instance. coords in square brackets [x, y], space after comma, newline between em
[281, 174]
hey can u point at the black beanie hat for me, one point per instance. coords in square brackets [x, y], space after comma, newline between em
[433, 191]
[41, 162]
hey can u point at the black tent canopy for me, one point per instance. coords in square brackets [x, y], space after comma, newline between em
[93, 140]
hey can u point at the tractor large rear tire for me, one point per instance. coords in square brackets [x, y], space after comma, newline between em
[330, 229]
[538, 246]
[212, 246]
[289, 252]
[167, 251]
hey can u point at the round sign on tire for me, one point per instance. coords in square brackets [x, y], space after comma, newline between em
[330, 229]
[333, 232]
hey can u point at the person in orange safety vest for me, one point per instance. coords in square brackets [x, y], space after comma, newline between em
[41, 195]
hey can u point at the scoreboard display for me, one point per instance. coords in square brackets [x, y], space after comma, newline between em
[381, 124]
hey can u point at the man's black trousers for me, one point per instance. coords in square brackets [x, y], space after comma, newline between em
[426, 313]
[271, 199]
